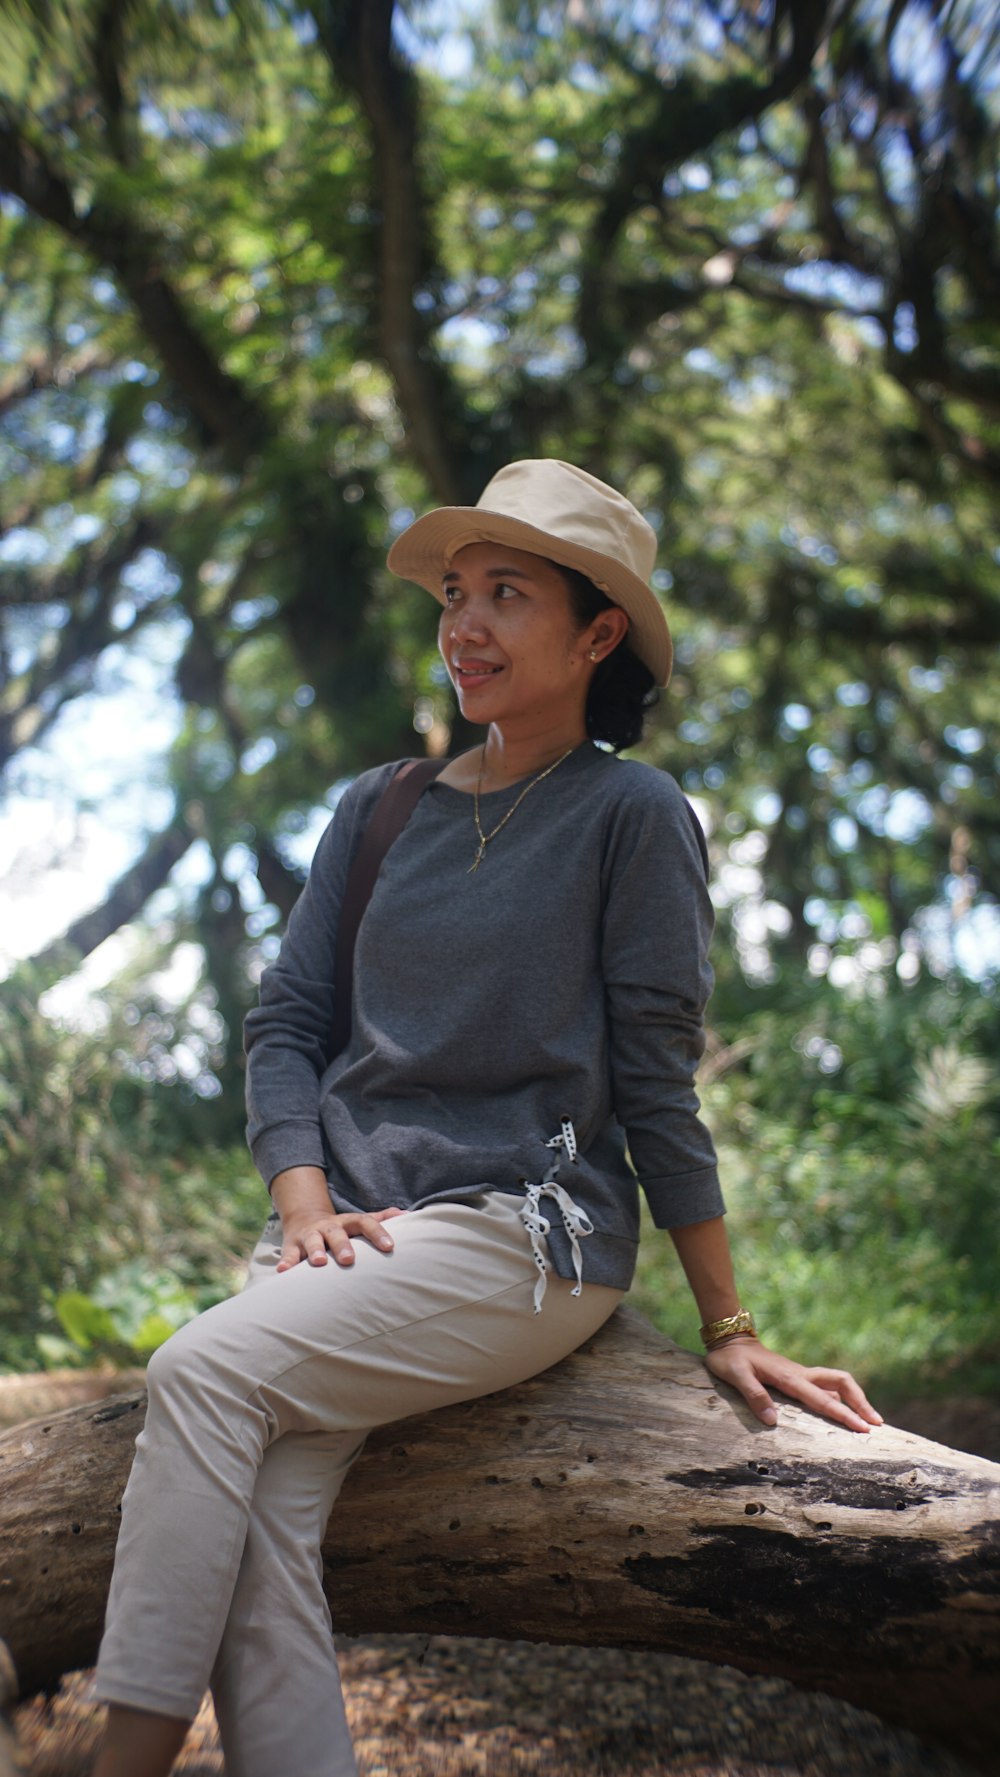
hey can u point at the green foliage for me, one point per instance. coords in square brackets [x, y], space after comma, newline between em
[115, 1224]
[129, 1315]
[859, 1146]
[272, 283]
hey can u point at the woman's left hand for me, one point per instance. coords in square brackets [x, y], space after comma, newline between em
[749, 1366]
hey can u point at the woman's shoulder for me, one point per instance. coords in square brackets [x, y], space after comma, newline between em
[638, 788]
[353, 809]
[647, 811]
[361, 793]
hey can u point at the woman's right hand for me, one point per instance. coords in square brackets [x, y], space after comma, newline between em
[310, 1228]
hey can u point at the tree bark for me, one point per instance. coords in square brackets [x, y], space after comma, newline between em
[10, 1764]
[620, 1498]
[52, 1391]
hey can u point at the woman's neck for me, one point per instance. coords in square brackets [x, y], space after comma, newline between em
[507, 757]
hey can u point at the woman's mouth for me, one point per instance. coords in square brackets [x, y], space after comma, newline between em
[471, 673]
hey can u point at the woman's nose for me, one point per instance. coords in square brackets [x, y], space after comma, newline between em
[468, 621]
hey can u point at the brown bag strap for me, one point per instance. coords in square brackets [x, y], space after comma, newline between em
[389, 816]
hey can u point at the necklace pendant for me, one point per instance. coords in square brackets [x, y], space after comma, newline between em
[480, 855]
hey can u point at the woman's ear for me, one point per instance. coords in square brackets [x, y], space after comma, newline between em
[606, 632]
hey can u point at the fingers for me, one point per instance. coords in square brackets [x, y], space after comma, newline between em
[824, 1401]
[841, 1382]
[833, 1393]
[333, 1235]
[759, 1401]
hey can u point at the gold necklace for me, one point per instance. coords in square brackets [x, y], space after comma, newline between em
[484, 838]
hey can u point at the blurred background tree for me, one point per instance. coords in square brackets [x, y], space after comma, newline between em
[279, 276]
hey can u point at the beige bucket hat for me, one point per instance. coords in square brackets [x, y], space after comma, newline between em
[553, 509]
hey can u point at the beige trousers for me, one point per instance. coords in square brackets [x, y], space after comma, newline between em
[257, 1410]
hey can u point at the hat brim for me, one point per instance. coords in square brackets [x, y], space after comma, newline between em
[426, 549]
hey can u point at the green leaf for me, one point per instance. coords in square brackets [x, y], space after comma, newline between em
[151, 1333]
[86, 1323]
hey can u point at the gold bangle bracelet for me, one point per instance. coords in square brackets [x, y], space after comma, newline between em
[728, 1339]
[740, 1322]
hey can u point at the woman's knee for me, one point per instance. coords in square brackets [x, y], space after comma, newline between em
[181, 1361]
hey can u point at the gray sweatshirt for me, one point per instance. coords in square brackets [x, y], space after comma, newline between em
[565, 980]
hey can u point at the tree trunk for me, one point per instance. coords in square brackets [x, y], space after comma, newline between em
[621, 1498]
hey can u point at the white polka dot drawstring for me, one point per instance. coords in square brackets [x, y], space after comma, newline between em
[575, 1220]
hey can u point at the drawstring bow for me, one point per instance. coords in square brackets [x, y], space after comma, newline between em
[575, 1220]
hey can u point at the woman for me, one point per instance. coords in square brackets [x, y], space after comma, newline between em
[453, 1210]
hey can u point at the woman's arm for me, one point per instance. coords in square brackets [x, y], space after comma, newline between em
[287, 1037]
[703, 1250]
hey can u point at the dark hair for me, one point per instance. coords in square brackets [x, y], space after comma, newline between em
[622, 689]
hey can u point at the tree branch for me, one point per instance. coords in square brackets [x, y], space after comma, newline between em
[688, 117]
[357, 38]
[108, 45]
[126, 898]
[40, 371]
[229, 417]
[29, 705]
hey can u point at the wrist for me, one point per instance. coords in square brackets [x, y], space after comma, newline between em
[300, 1190]
[719, 1332]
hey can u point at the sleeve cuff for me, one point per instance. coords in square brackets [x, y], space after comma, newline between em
[693, 1197]
[288, 1144]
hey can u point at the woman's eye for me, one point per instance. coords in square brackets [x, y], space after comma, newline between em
[450, 594]
[505, 591]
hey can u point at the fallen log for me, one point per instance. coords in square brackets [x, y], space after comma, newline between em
[49, 1391]
[10, 1764]
[622, 1498]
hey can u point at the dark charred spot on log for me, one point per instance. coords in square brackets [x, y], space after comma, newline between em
[836, 1483]
[752, 1510]
[45, 1570]
[491, 1480]
[824, 1524]
[76, 1529]
[561, 1579]
[810, 1590]
[524, 1419]
[536, 1481]
[456, 1524]
[117, 1410]
[591, 1458]
[555, 1551]
[458, 1567]
[637, 1530]
[562, 1476]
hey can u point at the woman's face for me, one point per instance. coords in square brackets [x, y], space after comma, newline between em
[508, 636]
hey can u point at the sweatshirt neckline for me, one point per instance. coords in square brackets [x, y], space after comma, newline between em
[582, 758]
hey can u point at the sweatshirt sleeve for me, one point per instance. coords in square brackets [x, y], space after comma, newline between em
[286, 1037]
[657, 927]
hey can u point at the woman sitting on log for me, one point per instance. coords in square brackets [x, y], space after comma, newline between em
[453, 1206]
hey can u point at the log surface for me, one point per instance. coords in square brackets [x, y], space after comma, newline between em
[621, 1498]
